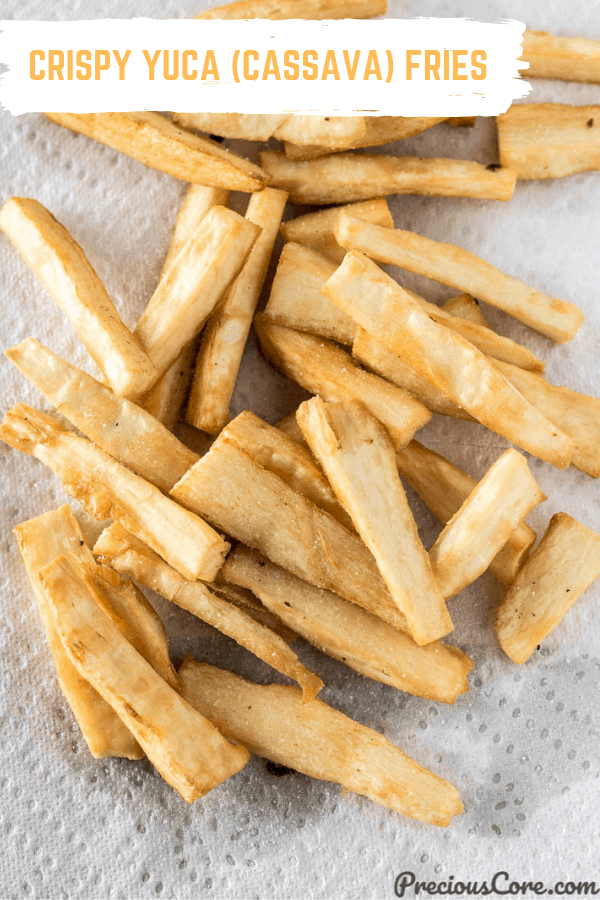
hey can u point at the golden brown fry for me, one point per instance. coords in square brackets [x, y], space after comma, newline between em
[199, 200]
[319, 741]
[324, 369]
[226, 332]
[346, 177]
[157, 142]
[378, 130]
[132, 557]
[460, 269]
[465, 307]
[549, 140]
[107, 490]
[67, 275]
[115, 424]
[351, 634]
[289, 425]
[297, 9]
[568, 58]
[167, 397]
[317, 230]
[187, 749]
[561, 568]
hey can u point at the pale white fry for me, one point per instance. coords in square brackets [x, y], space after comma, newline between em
[378, 130]
[199, 200]
[568, 58]
[317, 230]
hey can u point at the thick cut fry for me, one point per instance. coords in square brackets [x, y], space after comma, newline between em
[239, 126]
[450, 362]
[465, 307]
[358, 458]
[549, 140]
[224, 338]
[460, 269]
[167, 397]
[132, 557]
[567, 58]
[199, 200]
[378, 130]
[346, 177]
[255, 506]
[324, 369]
[444, 488]
[317, 230]
[480, 528]
[157, 142]
[319, 741]
[107, 490]
[40, 541]
[562, 567]
[117, 425]
[297, 9]
[188, 750]
[351, 634]
[193, 284]
[67, 275]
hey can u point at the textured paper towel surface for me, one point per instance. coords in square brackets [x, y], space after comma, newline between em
[522, 746]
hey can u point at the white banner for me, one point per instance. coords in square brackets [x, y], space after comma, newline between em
[408, 67]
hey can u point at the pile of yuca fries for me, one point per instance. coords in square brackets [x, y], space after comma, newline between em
[326, 545]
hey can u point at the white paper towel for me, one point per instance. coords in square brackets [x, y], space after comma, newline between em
[522, 746]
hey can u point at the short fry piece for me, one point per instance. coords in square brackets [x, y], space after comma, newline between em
[568, 58]
[157, 142]
[317, 230]
[226, 332]
[460, 269]
[358, 458]
[480, 528]
[561, 568]
[187, 749]
[347, 177]
[297, 9]
[67, 275]
[319, 741]
[107, 490]
[465, 307]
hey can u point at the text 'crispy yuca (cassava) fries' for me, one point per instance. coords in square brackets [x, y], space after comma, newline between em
[226, 332]
[117, 425]
[297, 9]
[257, 507]
[481, 527]
[568, 58]
[450, 362]
[325, 369]
[68, 276]
[351, 634]
[378, 130]
[158, 143]
[193, 284]
[188, 750]
[561, 568]
[319, 741]
[465, 307]
[549, 140]
[108, 490]
[132, 557]
[40, 541]
[357, 456]
[451, 265]
[444, 488]
[317, 230]
[346, 177]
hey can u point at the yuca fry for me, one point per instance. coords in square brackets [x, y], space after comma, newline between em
[239, 126]
[132, 557]
[199, 200]
[561, 568]
[357, 456]
[157, 142]
[226, 331]
[126, 431]
[257, 507]
[346, 177]
[107, 490]
[324, 369]
[297, 9]
[66, 273]
[568, 58]
[351, 634]
[252, 606]
[480, 528]
[378, 130]
[460, 269]
[193, 284]
[450, 362]
[278, 453]
[461, 121]
[40, 541]
[167, 397]
[466, 307]
[316, 230]
[319, 741]
[333, 132]
[188, 750]
[444, 488]
[549, 140]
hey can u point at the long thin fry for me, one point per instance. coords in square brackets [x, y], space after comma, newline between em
[320, 741]
[378, 130]
[568, 58]
[297, 9]
[317, 230]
